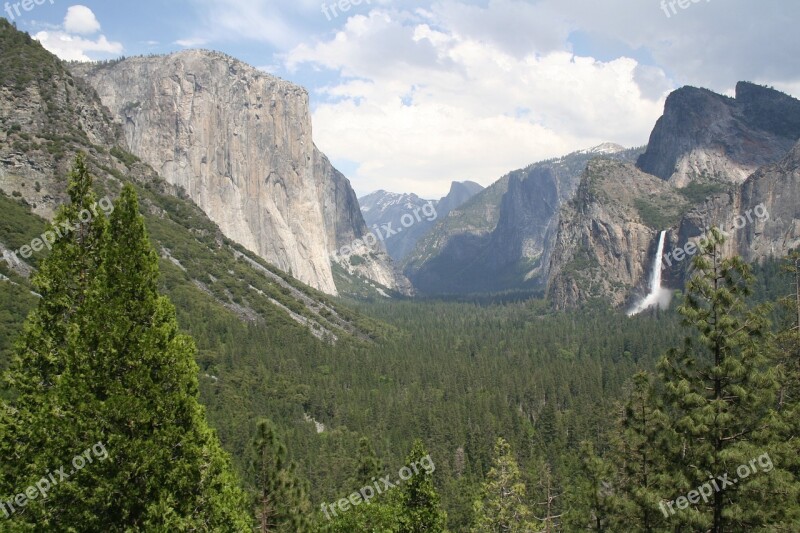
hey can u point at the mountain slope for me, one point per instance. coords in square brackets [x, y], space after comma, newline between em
[239, 141]
[500, 240]
[605, 237]
[47, 116]
[706, 137]
[761, 217]
[389, 215]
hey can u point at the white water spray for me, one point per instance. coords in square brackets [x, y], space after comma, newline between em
[658, 295]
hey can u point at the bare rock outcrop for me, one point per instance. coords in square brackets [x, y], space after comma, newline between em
[239, 142]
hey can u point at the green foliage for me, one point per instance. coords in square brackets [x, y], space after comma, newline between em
[503, 507]
[281, 502]
[697, 191]
[17, 227]
[123, 155]
[18, 53]
[641, 479]
[658, 216]
[419, 502]
[720, 393]
[101, 361]
[590, 500]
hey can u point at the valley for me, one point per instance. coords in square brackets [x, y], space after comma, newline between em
[575, 345]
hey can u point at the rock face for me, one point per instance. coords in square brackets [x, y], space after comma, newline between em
[707, 137]
[239, 142]
[607, 234]
[761, 218]
[383, 209]
[502, 238]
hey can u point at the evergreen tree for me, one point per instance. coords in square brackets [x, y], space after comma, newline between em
[589, 498]
[720, 392]
[124, 382]
[420, 505]
[281, 500]
[369, 465]
[503, 507]
[548, 504]
[787, 360]
[62, 282]
[640, 482]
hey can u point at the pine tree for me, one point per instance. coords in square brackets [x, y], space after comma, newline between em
[503, 507]
[720, 393]
[787, 360]
[420, 509]
[640, 482]
[281, 500]
[125, 382]
[369, 465]
[589, 498]
[548, 504]
[41, 352]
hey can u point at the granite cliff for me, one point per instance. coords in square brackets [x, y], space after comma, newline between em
[239, 142]
[707, 137]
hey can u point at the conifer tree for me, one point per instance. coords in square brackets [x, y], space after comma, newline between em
[720, 392]
[547, 504]
[369, 465]
[503, 507]
[420, 505]
[124, 381]
[41, 352]
[281, 499]
[640, 483]
[589, 498]
[787, 360]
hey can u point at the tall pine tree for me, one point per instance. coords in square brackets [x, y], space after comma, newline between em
[110, 371]
[503, 507]
[720, 392]
[281, 499]
[420, 505]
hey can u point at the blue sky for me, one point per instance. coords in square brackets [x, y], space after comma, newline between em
[408, 95]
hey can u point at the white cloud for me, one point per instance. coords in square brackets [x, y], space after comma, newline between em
[66, 41]
[711, 44]
[81, 20]
[75, 48]
[191, 42]
[427, 98]
[257, 20]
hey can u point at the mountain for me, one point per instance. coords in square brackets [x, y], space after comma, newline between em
[500, 240]
[706, 137]
[605, 239]
[239, 142]
[402, 219]
[47, 116]
[711, 161]
[460, 193]
[761, 218]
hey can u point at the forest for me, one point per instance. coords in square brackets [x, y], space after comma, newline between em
[527, 419]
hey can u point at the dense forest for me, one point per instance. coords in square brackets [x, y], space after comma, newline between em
[488, 417]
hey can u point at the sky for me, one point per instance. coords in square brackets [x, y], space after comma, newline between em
[408, 96]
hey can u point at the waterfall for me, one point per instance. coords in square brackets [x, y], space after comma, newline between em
[658, 296]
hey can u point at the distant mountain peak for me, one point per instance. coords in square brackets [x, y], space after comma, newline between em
[604, 148]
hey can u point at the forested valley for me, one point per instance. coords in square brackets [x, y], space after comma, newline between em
[535, 420]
